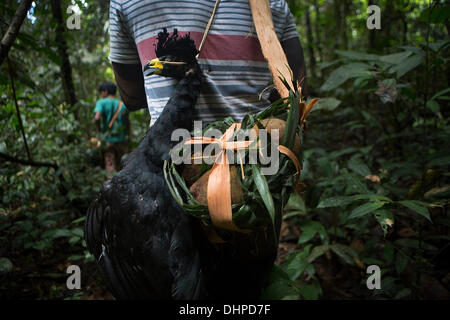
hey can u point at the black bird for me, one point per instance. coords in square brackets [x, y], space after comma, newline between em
[145, 245]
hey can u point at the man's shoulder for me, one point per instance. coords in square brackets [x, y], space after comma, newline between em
[108, 102]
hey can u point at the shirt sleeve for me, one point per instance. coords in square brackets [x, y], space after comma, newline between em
[98, 107]
[122, 45]
[124, 110]
[290, 28]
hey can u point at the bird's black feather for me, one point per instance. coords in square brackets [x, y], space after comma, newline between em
[146, 246]
[173, 45]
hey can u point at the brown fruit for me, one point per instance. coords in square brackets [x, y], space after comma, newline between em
[191, 171]
[200, 187]
[274, 123]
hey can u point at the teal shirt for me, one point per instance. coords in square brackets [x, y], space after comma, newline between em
[107, 107]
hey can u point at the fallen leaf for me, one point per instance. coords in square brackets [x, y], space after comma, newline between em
[374, 178]
[389, 222]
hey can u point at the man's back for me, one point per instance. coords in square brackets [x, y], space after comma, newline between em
[231, 59]
[107, 107]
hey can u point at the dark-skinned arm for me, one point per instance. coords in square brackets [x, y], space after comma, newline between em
[130, 81]
[97, 118]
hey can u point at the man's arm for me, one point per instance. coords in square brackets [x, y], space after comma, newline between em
[128, 126]
[294, 54]
[97, 118]
[130, 81]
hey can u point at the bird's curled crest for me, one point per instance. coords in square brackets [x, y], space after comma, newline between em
[173, 45]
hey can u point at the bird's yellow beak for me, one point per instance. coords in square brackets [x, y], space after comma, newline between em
[153, 67]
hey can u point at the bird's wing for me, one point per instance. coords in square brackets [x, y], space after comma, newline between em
[185, 264]
[93, 228]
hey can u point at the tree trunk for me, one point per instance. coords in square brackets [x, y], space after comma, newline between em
[310, 39]
[13, 29]
[338, 23]
[371, 44]
[66, 68]
[317, 31]
[346, 13]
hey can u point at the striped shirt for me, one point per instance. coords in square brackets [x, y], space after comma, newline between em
[235, 69]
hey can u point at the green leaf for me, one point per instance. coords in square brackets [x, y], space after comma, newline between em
[310, 291]
[263, 189]
[74, 240]
[280, 285]
[79, 220]
[356, 165]
[407, 65]
[310, 229]
[56, 233]
[42, 244]
[344, 252]
[295, 206]
[440, 93]
[396, 58]
[403, 293]
[317, 252]
[438, 45]
[308, 232]
[385, 218]
[328, 104]
[78, 232]
[344, 73]
[5, 265]
[371, 197]
[354, 55]
[401, 261]
[335, 202]
[435, 14]
[433, 106]
[299, 263]
[416, 206]
[354, 182]
[366, 209]
[291, 121]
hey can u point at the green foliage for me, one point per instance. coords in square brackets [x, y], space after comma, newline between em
[375, 155]
[42, 208]
[374, 161]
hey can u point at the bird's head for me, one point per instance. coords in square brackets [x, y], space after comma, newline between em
[175, 55]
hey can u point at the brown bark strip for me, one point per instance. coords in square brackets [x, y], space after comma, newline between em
[13, 29]
[270, 45]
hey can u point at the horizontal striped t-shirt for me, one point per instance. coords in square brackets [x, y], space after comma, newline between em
[231, 58]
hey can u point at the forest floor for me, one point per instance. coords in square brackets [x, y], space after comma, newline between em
[42, 274]
[39, 275]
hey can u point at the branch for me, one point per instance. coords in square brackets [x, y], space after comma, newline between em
[13, 29]
[28, 162]
[18, 111]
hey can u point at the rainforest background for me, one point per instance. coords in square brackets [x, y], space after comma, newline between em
[376, 152]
